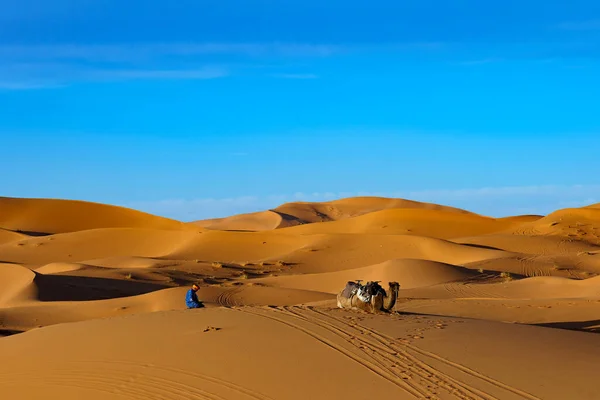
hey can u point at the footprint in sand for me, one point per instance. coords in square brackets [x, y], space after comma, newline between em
[211, 328]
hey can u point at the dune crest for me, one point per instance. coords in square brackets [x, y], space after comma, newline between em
[48, 216]
[421, 222]
[16, 284]
[7, 236]
[258, 221]
[301, 213]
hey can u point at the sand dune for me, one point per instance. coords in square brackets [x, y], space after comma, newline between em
[328, 253]
[259, 221]
[56, 300]
[22, 285]
[7, 236]
[16, 283]
[546, 287]
[411, 273]
[530, 244]
[42, 216]
[422, 222]
[582, 224]
[59, 268]
[300, 213]
[553, 287]
[387, 361]
[98, 289]
[96, 243]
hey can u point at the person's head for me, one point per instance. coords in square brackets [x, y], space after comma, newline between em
[195, 287]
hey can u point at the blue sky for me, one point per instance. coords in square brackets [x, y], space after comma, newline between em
[197, 109]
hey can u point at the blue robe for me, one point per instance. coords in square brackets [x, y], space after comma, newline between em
[191, 299]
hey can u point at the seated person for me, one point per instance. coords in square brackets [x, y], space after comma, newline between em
[191, 299]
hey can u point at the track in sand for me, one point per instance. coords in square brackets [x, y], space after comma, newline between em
[401, 363]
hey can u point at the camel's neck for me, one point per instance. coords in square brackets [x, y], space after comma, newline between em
[390, 300]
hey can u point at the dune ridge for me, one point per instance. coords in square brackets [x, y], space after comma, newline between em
[301, 213]
[49, 216]
[10, 236]
[422, 222]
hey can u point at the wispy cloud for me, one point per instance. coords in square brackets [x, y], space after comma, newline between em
[28, 67]
[48, 66]
[31, 76]
[494, 201]
[205, 73]
[146, 51]
[589, 25]
[24, 85]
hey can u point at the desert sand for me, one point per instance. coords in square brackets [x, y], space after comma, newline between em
[92, 303]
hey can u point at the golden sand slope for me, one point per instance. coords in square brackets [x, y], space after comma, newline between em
[15, 284]
[409, 272]
[95, 243]
[258, 221]
[10, 236]
[59, 216]
[422, 222]
[581, 224]
[267, 353]
[300, 213]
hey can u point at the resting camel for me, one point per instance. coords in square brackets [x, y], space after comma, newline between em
[371, 297]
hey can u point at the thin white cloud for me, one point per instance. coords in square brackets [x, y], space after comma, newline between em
[205, 73]
[589, 25]
[25, 66]
[24, 85]
[146, 51]
[138, 52]
[49, 76]
[493, 201]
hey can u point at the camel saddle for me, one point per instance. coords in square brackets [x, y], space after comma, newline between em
[363, 292]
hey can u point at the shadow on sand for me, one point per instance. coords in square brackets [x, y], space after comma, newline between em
[79, 288]
[592, 326]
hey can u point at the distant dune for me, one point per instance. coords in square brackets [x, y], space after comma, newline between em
[421, 222]
[43, 216]
[89, 291]
[300, 213]
[258, 221]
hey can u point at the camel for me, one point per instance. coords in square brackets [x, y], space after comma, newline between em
[371, 297]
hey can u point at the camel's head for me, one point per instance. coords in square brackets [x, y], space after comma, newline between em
[395, 286]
